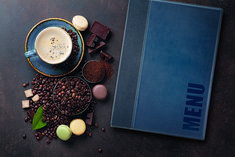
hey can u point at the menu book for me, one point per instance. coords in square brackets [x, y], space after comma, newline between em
[166, 68]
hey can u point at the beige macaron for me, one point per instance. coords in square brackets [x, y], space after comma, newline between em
[77, 126]
[80, 22]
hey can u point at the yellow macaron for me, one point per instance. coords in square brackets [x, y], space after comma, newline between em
[77, 126]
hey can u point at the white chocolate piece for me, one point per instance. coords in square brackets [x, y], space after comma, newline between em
[80, 22]
[28, 93]
[25, 103]
[35, 98]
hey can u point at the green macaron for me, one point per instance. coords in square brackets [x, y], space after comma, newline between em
[63, 132]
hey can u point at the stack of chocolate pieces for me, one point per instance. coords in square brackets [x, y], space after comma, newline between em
[96, 40]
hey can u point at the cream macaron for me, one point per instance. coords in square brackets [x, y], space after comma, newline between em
[77, 126]
[80, 22]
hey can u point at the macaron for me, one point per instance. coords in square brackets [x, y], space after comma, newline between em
[63, 132]
[77, 126]
[100, 92]
[80, 22]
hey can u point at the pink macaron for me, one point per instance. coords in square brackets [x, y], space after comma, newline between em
[100, 92]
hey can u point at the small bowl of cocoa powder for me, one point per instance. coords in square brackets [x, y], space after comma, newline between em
[93, 71]
[72, 95]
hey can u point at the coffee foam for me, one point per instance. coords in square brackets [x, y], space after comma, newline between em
[53, 45]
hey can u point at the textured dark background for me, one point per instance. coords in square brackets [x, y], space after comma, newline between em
[19, 16]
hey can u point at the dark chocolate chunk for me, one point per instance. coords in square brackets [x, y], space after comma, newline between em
[92, 39]
[100, 30]
[90, 115]
[107, 57]
[31, 113]
[89, 118]
[98, 47]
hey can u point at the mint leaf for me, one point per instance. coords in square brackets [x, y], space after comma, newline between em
[37, 119]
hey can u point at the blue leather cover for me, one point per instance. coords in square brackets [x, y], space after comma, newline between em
[166, 68]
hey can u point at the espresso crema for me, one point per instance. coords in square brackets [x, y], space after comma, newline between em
[53, 45]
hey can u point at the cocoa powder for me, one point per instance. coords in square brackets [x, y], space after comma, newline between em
[108, 69]
[94, 71]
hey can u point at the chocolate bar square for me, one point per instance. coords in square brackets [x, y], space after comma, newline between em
[100, 30]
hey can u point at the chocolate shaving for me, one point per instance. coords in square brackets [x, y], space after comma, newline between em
[107, 57]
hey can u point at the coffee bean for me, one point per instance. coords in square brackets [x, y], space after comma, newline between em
[48, 141]
[26, 119]
[24, 136]
[100, 150]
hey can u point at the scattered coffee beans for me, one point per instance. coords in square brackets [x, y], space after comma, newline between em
[43, 86]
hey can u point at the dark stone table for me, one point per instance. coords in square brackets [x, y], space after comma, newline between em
[19, 16]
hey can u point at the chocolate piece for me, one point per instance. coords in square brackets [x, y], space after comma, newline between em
[89, 115]
[88, 121]
[101, 44]
[92, 39]
[107, 57]
[31, 113]
[89, 118]
[100, 30]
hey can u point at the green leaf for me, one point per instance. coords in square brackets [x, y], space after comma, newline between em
[37, 119]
